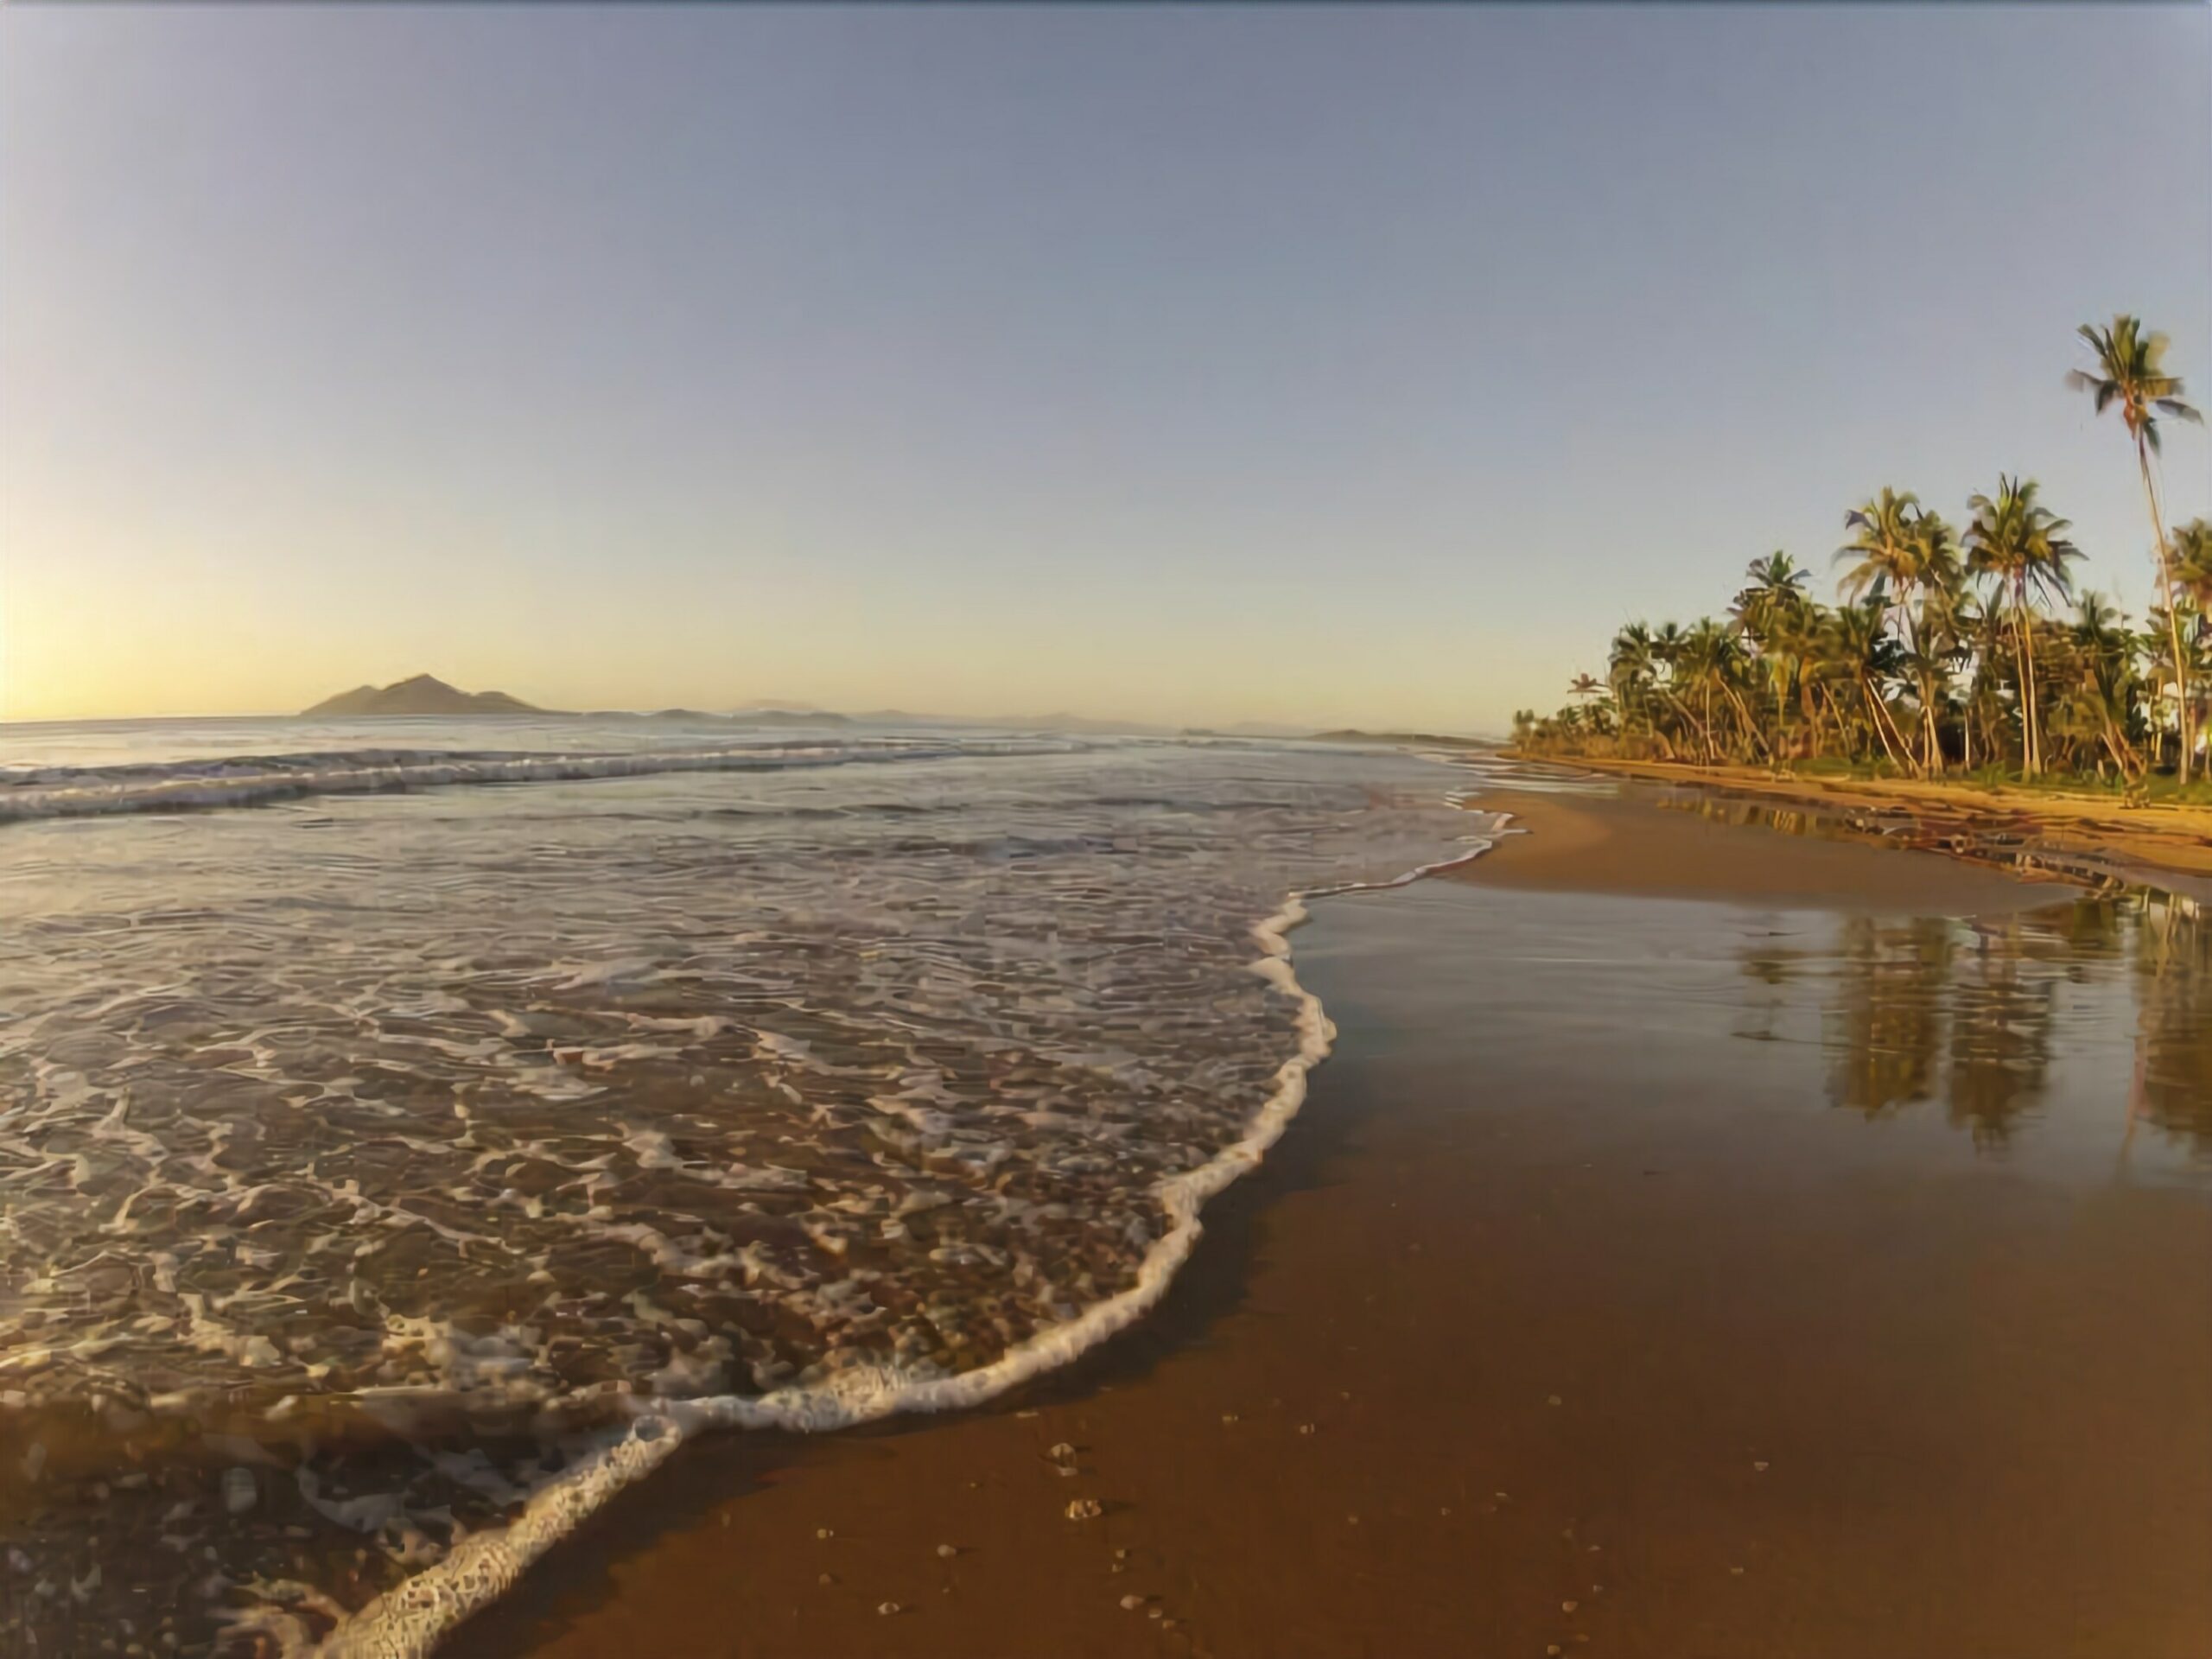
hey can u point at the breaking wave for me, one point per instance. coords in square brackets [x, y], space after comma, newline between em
[30, 793]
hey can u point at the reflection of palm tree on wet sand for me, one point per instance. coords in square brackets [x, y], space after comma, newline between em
[2173, 1067]
[1926, 1008]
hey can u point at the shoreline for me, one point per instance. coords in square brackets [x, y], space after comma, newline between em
[421, 1615]
[2087, 837]
[1248, 1325]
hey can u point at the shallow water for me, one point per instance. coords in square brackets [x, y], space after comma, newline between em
[368, 1150]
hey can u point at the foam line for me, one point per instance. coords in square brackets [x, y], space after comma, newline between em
[70, 792]
[410, 1621]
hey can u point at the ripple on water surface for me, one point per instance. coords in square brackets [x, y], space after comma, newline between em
[367, 1158]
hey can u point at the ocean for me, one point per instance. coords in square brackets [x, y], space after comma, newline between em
[410, 1132]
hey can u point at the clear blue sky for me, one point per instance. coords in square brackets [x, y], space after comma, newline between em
[1187, 364]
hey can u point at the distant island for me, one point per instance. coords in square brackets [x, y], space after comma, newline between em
[425, 694]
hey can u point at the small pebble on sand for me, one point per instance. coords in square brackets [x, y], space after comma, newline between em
[1061, 1451]
[1084, 1508]
[1130, 1604]
[824, 1532]
[1568, 1606]
[1306, 1428]
[946, 1551]
[887, 1608]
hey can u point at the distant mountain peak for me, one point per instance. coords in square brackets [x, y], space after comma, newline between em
[419, 693]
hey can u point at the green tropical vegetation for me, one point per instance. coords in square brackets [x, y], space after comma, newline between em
[1964, 648]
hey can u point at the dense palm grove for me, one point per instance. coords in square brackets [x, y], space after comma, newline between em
[1962, 647]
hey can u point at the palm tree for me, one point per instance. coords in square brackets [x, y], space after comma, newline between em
[1908, 551]
[1632, 671]
[2192, 563]
[1887, 544]
[2104, 693]
[1859, 650]
[2131, 372]
[2020, 544]
[1982, 632]
[1771, 611]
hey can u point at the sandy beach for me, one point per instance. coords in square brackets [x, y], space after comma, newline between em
[1704, 1240]
[2058, 826]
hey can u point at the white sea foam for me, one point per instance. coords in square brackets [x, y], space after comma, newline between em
[201, 786]
[412, 1620]
[796, 1095]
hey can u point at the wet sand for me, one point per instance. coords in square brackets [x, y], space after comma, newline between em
[1777, 1270]
[2068, 824]
[1605, 842]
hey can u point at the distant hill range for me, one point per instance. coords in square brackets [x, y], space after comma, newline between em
[424, 694]
[773, 714]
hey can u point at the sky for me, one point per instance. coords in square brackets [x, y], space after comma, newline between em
[1192, 364]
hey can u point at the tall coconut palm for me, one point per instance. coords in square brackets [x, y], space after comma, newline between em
[1899, 549]
[1885, 544]
[1709, 666]
[1975, 634]
[2131, 372]
[2020, 545]
[1632, 671]
[2104, 692]
[1771, 611]
[1859, 650]
[1984, 644]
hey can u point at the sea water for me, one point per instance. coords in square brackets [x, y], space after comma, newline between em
[411, 1133]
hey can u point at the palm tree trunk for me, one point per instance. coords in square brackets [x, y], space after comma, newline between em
[1878, 718]
[2031, 755]
[1929, 756]
[1933, 742]
[2173, 613]
[1753, 739]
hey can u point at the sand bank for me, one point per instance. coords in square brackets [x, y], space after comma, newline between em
[2159, 840]
[1604, 844]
